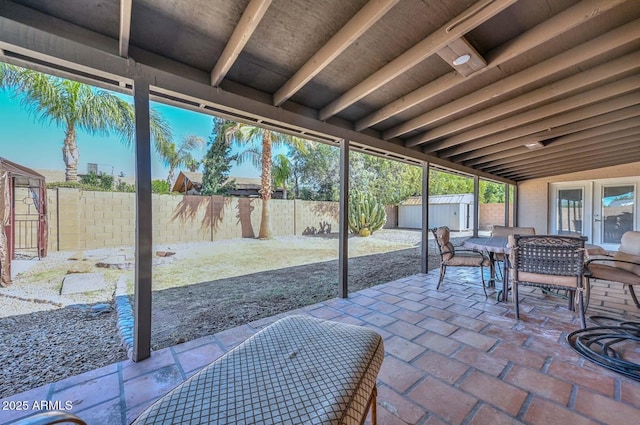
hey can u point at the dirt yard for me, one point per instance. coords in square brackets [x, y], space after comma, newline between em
[202, 289]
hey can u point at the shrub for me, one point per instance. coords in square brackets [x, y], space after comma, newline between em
[366, 213]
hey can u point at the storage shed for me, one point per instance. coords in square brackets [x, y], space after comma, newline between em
[22, 224]
[453, 211]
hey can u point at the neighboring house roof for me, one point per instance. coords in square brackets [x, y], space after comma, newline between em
[465, 198]
[186, 180]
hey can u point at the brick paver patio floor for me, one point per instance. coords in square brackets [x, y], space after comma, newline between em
[452, 357]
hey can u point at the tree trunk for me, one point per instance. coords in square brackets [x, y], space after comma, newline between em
[70, 155]
[266, 190]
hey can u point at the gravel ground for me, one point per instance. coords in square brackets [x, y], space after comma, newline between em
[47, 346]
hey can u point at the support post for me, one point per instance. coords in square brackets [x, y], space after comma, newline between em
[507, 217]
[343, 247]
[476, 204]
[142, 308]
[424, 266]
[515, 205]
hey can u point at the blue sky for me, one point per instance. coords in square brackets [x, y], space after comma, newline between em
[38, 145]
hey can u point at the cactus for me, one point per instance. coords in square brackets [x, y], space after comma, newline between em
[366, 213]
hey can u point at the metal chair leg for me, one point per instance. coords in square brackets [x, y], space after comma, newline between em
[633, 295]
[374, 412]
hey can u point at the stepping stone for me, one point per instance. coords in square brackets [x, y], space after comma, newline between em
[82, 282]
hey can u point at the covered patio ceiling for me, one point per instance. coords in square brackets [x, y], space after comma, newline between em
[549, 86]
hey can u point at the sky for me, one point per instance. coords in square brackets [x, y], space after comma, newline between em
[35, 144]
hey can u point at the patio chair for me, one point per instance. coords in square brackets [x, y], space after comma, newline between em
[549, 262]
[622, 267]
[505, 232]
[451, 256]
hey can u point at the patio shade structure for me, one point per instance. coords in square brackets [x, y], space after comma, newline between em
[503, 90]
[14, 175]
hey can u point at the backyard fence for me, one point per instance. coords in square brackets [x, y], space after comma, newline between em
[89, 220]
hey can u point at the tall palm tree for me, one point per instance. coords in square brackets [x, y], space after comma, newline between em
[76, 106]
[177, 156]
[259, 143]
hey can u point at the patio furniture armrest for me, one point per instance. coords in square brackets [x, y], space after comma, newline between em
[50, 418]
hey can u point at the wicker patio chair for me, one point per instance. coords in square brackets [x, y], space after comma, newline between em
[622, 267]
[549, 262]
[451, 256]
[505, 232]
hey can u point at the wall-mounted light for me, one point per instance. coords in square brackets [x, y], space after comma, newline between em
[534, 145]
[462, 59]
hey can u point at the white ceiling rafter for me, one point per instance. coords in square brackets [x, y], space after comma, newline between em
[248, 23]
[125, 27]
[457, 27]
[543, 32]
[361, 21]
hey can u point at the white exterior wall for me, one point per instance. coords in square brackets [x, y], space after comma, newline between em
[533, 195]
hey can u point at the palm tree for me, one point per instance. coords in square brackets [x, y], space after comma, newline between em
[174, 156]
[259, 143]
[73, 106]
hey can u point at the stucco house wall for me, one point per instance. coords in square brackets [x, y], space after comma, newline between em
[533, 195]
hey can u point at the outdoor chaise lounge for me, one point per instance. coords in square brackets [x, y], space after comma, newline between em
[299, 370]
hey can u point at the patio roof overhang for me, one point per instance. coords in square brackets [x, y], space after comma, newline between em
[546, 88]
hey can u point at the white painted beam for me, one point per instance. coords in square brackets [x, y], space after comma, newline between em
[454, 29]
[538, 35]
[248, 23]
[617, 129]
[125, 27]
[609, 70]
[59, 51]
[361, 21]
[590, 97]
[595, 121]
[591, 111]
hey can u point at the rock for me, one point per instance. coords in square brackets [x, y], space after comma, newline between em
[79, 268]
[76, 256]
[82, 282]
[119, 262]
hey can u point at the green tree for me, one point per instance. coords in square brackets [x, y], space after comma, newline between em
[76, 106]
[259, 144]
[217, 161]
[282, 172]
[176, 156]
[316, 172]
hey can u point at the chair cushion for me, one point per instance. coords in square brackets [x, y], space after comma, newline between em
[614, 274]
[629, 251]
[469, 260]
[546, 279]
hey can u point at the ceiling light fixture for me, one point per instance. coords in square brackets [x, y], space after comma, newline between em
[462, 59]
[534, 145]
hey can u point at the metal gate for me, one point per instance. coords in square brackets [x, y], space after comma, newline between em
[26, 219]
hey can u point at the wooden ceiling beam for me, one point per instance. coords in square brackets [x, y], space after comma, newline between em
[567, 111]
[548, 156]
[588, 78]
[481, 12]
[357, 25]
[603, 133]
[247, 24]
[543, 32]
[598, 161]
[125, 28]
[457, 49]
[630, 112]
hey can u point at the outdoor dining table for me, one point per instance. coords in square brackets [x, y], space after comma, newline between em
[500, 245]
